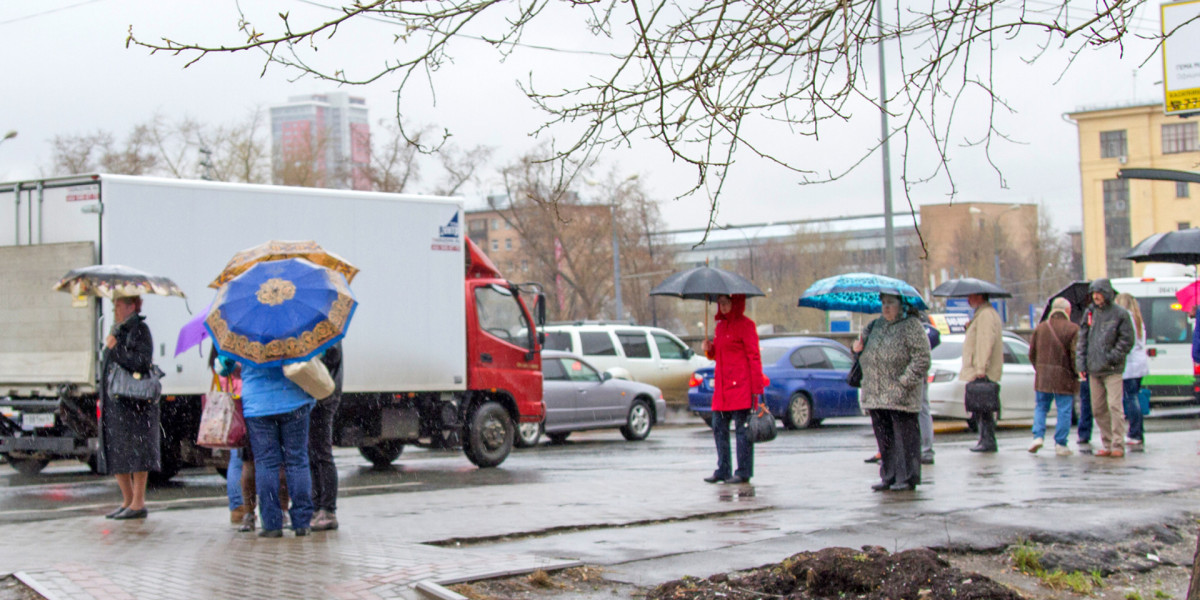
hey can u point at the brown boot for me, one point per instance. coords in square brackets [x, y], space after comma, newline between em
[236, 515]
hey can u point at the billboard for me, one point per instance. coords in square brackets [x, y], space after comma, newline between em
[1181, 57]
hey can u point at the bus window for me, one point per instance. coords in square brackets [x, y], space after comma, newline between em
[1164, 325]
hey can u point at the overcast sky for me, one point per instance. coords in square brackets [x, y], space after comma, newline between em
[66, 71]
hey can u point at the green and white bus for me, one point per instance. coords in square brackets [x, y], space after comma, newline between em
[1173, 376]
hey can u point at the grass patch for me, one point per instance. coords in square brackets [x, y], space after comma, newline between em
[1133, 596]
[1027, 560]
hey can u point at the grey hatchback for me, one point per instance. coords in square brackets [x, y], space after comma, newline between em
[578, 397]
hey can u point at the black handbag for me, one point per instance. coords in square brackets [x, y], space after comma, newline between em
[762, 425]
[854, 377]
[982, 396]
[135, 386]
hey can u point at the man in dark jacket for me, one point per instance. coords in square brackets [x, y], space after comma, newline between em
[320, 446]
[1052, 351]
[1105, 338]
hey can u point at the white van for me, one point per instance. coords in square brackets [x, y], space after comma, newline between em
[1173, 375]
[645, 354]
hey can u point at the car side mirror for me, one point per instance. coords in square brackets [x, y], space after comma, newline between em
[688, 353]
[606, 376]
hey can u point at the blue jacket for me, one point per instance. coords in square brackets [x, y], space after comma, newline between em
[266, 391]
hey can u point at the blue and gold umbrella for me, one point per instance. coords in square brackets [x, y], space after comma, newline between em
[280, 311]
[858, 292]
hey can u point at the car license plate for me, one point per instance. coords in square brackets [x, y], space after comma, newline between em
[31, 421]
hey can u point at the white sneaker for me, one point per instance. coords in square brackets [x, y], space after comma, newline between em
[1062, 450]
[1035, 446]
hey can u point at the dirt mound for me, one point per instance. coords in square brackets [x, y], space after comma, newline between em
[868, 574]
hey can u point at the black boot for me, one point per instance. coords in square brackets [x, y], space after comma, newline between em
[987, 433]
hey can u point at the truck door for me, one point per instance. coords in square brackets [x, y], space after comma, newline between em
[503, 351]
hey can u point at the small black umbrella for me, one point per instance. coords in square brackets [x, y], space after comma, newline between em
[966, 286]
[705, 283]
[1077, 295]
[1181, 247]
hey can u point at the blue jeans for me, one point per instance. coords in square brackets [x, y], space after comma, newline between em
[233, 479]
[282, 439]
[745, 448]
[1133, 408]
[1062, 428]
[1085, 412]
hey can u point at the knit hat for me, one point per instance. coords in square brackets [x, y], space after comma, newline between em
[1061, 305]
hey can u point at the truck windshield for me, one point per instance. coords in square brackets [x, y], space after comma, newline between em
[501, 316]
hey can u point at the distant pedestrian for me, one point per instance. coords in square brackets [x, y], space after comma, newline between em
[737, 388]
[130, 433]
[1137, 366]
[1052, 352]
[320, 446]
[925, 417]
[1105, 338]
[895, 362]
[983, 359]
[229, 378]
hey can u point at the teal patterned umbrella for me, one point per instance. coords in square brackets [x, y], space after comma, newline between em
[858, 292]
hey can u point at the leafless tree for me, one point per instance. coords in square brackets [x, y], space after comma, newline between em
[88, 153]
[394, 159]
[712, 79]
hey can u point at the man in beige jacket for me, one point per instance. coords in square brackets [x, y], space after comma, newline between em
[983, 358]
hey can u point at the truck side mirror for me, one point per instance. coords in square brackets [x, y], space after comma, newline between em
[539, 309]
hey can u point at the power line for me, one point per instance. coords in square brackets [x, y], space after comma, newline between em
[46, 12]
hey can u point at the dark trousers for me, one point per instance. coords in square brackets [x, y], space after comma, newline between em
[320, 455]
[1133, 408]
[745, 447]
[898, 435]
[986, 422]
[1085, 413]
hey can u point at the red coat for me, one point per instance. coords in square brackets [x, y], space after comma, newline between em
[738, 371]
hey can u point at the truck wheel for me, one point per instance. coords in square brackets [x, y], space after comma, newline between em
[528, 434]
[28, 466]
[638, 423]
[490, 434]
[383, 453]
[799, 412]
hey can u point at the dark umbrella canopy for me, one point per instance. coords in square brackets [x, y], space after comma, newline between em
[965, 286]
[1181, 247]
[705, 283]
[1077, 295]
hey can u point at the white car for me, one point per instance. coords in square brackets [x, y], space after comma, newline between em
[635, 352]
[1017, 398]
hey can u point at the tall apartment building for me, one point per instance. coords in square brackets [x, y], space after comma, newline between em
[322, 140]
[1119, 213]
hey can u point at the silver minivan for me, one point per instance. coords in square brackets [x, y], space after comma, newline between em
[646, 354]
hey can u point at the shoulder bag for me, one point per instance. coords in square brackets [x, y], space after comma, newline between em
[762, 424]
[312, 376]
[135, 386]
[854, 377]
[222, 425]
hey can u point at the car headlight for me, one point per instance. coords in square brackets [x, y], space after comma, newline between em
[942, 375]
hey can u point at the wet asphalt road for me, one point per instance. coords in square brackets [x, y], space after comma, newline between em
[67, 489]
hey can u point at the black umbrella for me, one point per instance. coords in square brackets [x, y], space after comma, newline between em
[1181, 247]
[705, 283]
[966, 286]
[1077, 294]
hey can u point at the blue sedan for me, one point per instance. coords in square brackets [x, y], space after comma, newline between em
[807, 382]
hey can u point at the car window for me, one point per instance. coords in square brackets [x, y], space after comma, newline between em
[771, 354]
[596, 343]
[558, 340]
[1016, 354]
[552, 370]
[947, 351]
[669, 348]
[840, 359]
[809, 357]
[635, 343]
[578, 371]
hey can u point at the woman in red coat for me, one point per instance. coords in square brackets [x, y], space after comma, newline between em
[738, 386]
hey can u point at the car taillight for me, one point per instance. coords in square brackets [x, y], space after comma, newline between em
[1196, 369]
[695, 381]
[940, 375]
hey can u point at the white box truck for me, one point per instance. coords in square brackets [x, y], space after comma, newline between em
[441, 351]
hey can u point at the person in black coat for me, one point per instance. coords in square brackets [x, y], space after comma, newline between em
[320, 446]
[129, 428]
